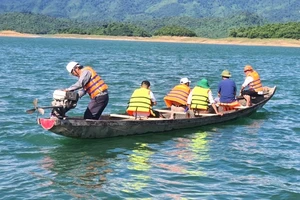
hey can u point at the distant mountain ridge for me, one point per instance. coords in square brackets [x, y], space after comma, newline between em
[138, 10]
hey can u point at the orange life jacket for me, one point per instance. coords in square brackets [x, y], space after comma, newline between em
[256, 83]
[96, 85]
[178, 95]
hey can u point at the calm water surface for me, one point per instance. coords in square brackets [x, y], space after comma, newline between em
[251, 158]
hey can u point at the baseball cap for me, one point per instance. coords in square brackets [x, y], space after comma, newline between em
[184, 80]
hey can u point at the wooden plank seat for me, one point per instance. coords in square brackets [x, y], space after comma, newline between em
[169, 111]
[204, 114]
[132, 117]
[188, 113]
[122, 116]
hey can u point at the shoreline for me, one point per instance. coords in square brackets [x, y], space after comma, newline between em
[170, 39]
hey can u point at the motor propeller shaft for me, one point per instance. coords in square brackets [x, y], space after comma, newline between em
[39, 109]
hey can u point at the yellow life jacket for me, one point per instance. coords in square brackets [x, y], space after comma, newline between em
[200, 98]
[256, 83]
[95, 85]
[178, 95]
[140, 101]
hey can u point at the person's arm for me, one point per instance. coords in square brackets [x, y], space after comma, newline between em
[189, 100]
[247, 81]
[81, 93]
[153, 99]
[234, 88]
[82, 81]
[219, 89]
[212, 102]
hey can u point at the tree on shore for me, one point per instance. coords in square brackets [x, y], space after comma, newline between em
[174, 31]
[282, 30]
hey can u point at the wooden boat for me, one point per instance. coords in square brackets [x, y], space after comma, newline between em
[113, 125]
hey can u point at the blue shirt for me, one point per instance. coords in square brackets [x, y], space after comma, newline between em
[227, 90]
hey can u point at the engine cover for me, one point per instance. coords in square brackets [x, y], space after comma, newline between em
[63, 102]
[61, 95]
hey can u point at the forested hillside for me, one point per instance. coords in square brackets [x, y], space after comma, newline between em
[206, 27]
[41, 24]
[120, 10]
[283, 30]
[202, 18]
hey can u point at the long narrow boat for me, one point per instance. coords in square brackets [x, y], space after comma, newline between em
[113, 125]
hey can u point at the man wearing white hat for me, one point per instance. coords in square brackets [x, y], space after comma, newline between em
[90, 82]
[177, 97]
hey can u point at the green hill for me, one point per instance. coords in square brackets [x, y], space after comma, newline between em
[41, 24]
[282, 30]
[203, 18]
[120, 10]
[205, 27]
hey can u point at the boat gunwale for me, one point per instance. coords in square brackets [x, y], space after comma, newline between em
[261, 103]
[79, 128]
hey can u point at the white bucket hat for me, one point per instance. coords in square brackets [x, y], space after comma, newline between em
[71, 66]
[184, 81]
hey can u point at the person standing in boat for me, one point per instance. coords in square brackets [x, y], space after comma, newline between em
[141, 102]
[176, 99]
[89, 82]
[200, 98]
[253, 82]
[227, 92]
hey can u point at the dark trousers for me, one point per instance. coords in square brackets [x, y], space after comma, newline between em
[251, 93]
[96, 107]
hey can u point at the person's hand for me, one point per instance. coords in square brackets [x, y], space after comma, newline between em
[186, 109]
[240, 94]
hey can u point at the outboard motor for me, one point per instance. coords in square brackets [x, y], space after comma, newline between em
[63, 101]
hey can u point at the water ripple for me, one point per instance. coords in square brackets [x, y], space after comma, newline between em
[256, 157]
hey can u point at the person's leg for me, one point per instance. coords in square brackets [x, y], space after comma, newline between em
[247, 95]
[102, 102]
[248, 100]
[88, 114]
[176, 109]
[96, 107]
[172, 112]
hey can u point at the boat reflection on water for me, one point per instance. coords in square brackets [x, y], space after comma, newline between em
[130, 165]
[76, 166]
[138, 164]
[193, 150]
[147, 164]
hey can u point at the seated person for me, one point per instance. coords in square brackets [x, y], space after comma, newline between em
[227, 92]
[177, 97]
[141, 102]
[252, 81]
[200, 97]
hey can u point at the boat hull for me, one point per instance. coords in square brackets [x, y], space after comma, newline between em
[113, 127]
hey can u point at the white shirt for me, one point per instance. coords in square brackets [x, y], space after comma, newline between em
[247, 81]
[210, 97]
[152, 97]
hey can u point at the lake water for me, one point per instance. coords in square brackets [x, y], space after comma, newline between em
[251, 158]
